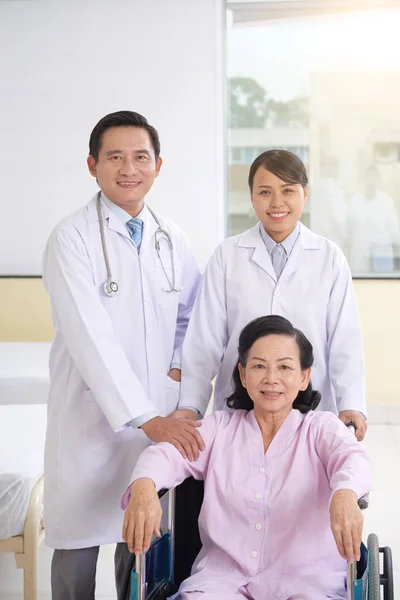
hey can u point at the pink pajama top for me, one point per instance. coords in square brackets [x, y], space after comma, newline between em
[264, 522]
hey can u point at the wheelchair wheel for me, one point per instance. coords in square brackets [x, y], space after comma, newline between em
[387, 577]
[374, 578]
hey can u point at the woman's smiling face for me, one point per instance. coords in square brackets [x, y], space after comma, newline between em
[273, 375]
[277, 204]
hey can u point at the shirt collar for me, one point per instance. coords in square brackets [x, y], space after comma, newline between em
[119, 212]
[287, 243]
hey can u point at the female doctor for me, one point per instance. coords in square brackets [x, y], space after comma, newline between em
[277, 267]
[122, 281]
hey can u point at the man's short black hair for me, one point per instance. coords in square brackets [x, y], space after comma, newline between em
[122, 118]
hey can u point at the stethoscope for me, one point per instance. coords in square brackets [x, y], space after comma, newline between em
[111, 286]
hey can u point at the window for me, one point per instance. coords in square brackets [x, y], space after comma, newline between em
[323, 81]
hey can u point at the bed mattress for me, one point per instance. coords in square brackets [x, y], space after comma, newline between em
[22, 436]
[24, 372]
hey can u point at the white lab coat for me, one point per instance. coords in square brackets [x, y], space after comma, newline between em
[314, 292]
[373, 231]
[329, 211]
[108, 365]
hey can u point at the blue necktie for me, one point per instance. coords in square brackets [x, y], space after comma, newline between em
[135, 228]
[279, 259]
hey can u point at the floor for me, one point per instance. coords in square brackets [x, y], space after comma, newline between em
[382, 516]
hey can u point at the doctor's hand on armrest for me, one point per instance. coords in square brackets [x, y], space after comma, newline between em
[142, 516]
[346, 524]
[357, 419]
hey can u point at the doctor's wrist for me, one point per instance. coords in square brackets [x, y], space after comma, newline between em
[147, 426]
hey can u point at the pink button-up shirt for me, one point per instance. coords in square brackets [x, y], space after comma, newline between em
[264, 522]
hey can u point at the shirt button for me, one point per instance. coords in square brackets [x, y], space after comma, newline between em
[254, 554]
[257, 496]
[258, 526]
[261, 470]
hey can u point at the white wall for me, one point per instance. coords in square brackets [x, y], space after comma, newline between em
[64, 65]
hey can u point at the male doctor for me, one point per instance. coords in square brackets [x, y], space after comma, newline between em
[122, 282]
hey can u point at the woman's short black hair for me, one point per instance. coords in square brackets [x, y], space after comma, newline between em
[284, 164]
[122, 118]
[273, 325]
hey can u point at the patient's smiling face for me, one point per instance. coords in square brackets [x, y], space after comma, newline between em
[273, 375]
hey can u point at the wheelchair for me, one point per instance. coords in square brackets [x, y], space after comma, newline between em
[158, 574]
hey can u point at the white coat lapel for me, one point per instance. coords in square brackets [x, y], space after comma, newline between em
[307, 240]
[149, 228]
[252, 239]
[111, 221]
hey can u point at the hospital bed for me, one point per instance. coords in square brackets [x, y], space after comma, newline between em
[24, 385]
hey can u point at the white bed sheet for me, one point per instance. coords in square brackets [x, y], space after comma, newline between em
[22, 437]
[24, 372]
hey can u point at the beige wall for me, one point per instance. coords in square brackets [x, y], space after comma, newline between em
[25, 316]
[25, 311]
[379, 304]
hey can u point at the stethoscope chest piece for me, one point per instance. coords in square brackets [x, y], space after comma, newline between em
[110, 288]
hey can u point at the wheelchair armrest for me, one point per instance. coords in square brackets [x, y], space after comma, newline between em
[162, 493]
[363, 502]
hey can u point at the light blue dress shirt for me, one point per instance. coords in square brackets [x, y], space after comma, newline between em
[279, 253]
[124, 217]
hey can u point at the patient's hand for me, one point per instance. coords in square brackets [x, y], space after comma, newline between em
[142, 516]
[346, 524]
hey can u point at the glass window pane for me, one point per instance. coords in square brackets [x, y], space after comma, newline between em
[336, 105]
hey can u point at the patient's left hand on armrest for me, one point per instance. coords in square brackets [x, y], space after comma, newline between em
[142, 516]
[346, 524]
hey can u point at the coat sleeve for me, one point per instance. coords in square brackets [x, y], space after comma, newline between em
[89, 335]
[344, 340]
[163, 463]
[190, 284]
[345, 459]
[206, 337]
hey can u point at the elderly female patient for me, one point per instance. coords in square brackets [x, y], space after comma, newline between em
[280, 514]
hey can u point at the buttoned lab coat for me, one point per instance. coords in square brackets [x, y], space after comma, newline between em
[314, 292]
[264, 522]
[108, 365]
